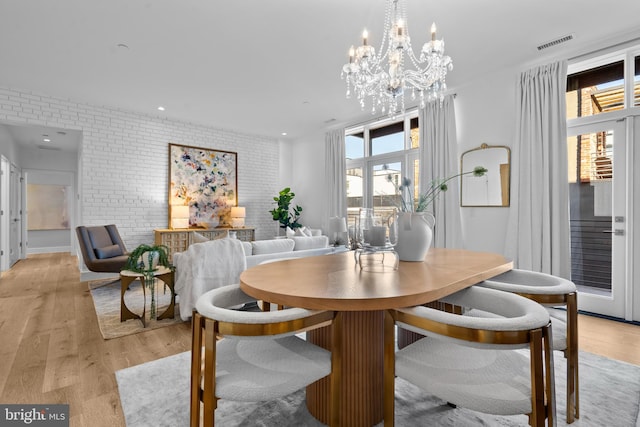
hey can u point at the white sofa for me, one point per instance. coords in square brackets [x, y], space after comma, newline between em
[259, 251]
[206, 265]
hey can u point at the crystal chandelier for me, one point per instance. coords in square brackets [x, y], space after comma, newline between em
[383, 76]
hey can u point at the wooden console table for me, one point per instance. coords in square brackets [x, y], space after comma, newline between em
[178, 240]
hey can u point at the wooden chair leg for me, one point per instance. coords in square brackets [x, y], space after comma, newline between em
[573, 398]
[209, 390]
[537, 416]
[550, 388]
[196, 367]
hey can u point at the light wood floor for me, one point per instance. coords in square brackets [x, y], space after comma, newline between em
[52, 350]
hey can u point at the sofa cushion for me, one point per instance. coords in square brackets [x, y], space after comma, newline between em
[108, 252]
[272, 246]
[315, 231]
[303, 232]
[248, 248]
[199, 238]
[314, 242]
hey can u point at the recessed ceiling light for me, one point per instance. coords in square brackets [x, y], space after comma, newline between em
[46, 140]
[161, 108]
[284, 134]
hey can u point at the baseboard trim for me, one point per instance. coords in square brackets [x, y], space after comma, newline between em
[48, 250]
[604, 316]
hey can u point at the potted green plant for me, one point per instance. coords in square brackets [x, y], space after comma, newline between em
[286, 216]
[145, 258]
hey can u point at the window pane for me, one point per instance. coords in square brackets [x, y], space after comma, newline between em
[415, 133]
[354, 146]
[636, 83]
[387, 139]
[386, 180]
[354, 193]
[596, 90]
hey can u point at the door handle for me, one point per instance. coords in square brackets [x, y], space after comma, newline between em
[617, 232]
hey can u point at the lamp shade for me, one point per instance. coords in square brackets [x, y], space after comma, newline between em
[337, 224]
[238, 212]
[179, 216]
[237, 216]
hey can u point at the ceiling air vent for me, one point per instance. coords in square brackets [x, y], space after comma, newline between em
[556, 42]
[44, 147]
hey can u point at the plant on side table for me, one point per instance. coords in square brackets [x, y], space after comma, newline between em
[282, 212]
[145, 259]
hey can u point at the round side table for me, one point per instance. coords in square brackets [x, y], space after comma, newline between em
[127, 277]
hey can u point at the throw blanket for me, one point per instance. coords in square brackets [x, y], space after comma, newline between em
[205, 266]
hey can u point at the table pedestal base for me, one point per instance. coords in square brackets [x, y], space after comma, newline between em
[361, 387]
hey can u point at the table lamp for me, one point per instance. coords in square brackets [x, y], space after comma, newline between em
[337, 226]
[237, 216]
[179, 216]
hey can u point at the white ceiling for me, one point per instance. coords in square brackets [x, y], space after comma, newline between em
[268, 66]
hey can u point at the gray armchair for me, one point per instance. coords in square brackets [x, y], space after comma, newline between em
[102, 248]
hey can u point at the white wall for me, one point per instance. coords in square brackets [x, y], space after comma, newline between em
[8, 147]
[124, 166]
[308, 180]
[485, 113]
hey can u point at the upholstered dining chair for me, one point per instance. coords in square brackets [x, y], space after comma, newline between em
[551, 291]
[256, 356]
[472, 361]
[103, 250]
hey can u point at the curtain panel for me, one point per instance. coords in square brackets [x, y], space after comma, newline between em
[439, 159]
[538, 235]
[335, 175]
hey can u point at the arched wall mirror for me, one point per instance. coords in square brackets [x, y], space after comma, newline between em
[492, 189]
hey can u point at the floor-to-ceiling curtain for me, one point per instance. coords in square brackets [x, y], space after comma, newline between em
[439, 159]
[336, 174]
[538, 236]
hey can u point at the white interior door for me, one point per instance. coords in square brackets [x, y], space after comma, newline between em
[598, 215]
[4, 213]
[15, 215]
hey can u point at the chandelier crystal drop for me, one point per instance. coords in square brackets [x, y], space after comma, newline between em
[383, 76]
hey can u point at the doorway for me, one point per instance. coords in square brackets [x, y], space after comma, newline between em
[15, 215]
[598, 215]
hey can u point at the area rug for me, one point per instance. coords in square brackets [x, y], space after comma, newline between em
[106, 300]
[157, 394]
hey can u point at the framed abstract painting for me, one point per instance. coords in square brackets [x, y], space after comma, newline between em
[204, 179]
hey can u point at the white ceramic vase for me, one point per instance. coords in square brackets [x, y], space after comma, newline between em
[414, 235]
[150, 260]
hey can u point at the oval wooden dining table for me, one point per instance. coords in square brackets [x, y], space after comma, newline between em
[336, 282]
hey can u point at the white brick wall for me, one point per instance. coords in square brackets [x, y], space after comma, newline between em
[124, 162]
